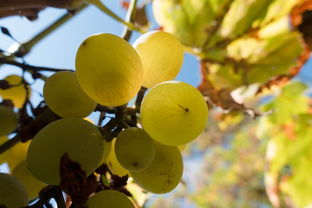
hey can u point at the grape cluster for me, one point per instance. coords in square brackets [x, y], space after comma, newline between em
[141, 141]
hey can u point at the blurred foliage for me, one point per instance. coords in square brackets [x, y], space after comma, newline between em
[245, 48]
[243, 42]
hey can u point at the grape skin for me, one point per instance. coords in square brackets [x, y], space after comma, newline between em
[14, 155]
[16, 92]
[110, 199]
[162, 57]
[134, 149]
[174, 113]
[65, 97]
[79, 138]
[31, 184]
[165, 172]
[113, 164]
[8, 120]
[12, 192]
[109, 69]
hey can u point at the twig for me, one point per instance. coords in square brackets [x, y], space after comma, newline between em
[20, 4]
[126, 35]
[31, 68]
[9, 143]
[27, 46]
[110, 13]
[29, 13]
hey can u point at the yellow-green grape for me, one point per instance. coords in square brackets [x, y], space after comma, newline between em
[14, 155]
[162, 57]
[17, 92]
[8, 120]
[174, 113]
[65, 97]
[165, 172]
[79, 138]
[107, 150]
[108, 69]
[111, 199]
[113, 164]
[135, 149]
[31, 184]
[12, 192]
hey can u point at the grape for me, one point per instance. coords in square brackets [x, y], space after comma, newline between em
[65, 97]
[162, 57]
[17, 92]
[79, 138]
[12, 192]
[108, 69]
[8, 120]
[31, 184]
[15, 154]
[113, 164]
[165, 172]
[110, 198]
[174, 113]
[134, 149]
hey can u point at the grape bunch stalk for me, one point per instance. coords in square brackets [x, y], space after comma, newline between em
[93, 163]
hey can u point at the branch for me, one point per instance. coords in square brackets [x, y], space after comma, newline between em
[130, 18]
[21, 4]
[31, 68]
[27, 46]
[29, 13]
[110, 13]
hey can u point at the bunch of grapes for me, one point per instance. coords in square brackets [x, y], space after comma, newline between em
[92, 163]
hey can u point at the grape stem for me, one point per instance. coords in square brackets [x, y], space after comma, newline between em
[130, 18]
[139, 98]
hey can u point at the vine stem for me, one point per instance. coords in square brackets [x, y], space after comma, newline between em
[27, 46]
[110, 13]
[126, 35]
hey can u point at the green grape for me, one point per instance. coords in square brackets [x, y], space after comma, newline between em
[174, 113]
[111, 199]
[113, 164]
[134, 149]
[15, 154]
[107, 150]
[162, 57]
[65, 97]
[31, 184]
[17, 92]
[79, 138]
[12, 192]
[109, 69]
[8, 120]
[165, 172]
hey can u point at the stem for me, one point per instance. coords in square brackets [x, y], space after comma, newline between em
[20, 4]
[58, 196]
[110, 13]
[9, 144]
[139, 98]
[30, 67]
[126, 34]
[26, 47]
